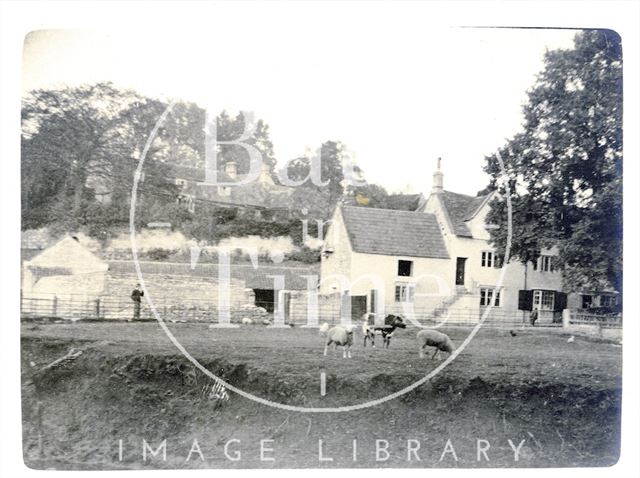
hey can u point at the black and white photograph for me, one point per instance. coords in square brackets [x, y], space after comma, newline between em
[323, 236]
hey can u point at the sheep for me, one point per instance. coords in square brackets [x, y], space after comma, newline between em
[340, 335]
[433, 338]
[247, 321]
[324, 328]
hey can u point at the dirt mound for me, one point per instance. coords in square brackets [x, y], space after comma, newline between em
[73, 417]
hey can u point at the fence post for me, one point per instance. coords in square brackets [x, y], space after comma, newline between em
[54, 312]
[566, 317]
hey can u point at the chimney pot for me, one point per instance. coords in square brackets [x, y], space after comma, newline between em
[437, 186]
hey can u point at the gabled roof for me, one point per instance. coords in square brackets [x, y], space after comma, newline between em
[460, 209]
[394, 233]
[69, 254]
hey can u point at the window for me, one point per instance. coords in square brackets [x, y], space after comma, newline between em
[486, 296]
[608, 300]
[487, 259]
[543, 299]
[587, 300]
[405, 292]
[546, 263]
[405, 268]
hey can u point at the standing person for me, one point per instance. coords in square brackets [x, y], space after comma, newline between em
[136, 297]
[533, 317]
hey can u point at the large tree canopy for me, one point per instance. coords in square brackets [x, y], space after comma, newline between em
[565, 167]
[76, 141]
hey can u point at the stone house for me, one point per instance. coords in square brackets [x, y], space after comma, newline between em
[262, 198]
[434, 261]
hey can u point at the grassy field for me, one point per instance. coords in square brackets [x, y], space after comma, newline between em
[131, 384]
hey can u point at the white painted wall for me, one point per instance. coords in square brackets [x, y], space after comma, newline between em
[432, 279]
[516, 276]
[335, 256]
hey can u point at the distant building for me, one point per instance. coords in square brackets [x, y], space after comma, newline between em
[262, 197]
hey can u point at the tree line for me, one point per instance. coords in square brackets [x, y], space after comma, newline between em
[80, 142]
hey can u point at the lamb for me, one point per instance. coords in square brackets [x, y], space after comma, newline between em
[433, 338]
[340, 335]
[391, 323]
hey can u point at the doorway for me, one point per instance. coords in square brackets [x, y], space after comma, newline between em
[460, 266]
[265, 298]
[358, 307]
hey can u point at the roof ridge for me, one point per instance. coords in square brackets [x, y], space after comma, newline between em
[385, 209]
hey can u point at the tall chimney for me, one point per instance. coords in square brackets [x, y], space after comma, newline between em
[231, 168]
[437, 179]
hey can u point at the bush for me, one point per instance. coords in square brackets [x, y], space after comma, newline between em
[306, 255]
[159, 254]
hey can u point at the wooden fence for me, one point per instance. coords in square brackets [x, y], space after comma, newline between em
[76, 307]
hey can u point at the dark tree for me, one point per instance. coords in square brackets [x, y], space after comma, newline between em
[565, 167]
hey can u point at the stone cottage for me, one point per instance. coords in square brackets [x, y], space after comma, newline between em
[433, 262]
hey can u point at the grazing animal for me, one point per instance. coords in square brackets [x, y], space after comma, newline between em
[391, 323]
[340, 335]
[247, 321]
[571, 339]
[513, 334]
[433, 338]
[324, 328]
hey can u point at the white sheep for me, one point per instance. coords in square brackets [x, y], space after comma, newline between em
[340, 335]
[247, 321]
[433, 338]
[324, 328]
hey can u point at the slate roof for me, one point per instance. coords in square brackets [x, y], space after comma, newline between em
[461, 208]
[394, 233]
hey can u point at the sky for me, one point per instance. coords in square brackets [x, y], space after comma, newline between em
[396, 93]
